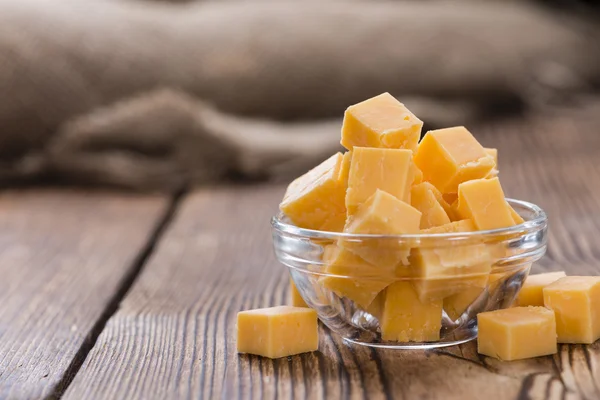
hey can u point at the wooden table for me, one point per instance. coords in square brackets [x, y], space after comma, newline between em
[106, 295]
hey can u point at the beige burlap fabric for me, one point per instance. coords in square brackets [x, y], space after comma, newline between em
[151, 96]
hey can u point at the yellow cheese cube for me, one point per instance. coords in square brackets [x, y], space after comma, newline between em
[494, 154]
[531, 294]
[482, 200]
[517, 219]
[517, 333]
[297, 300]
[576, 302]
[406, 319]
[316, 200]
[382, 214]
[353, 277]
[371, 169]
[277, 331]
[381, 121]
[424, 199]
[458, 303]
[451, 156]
[444, 271]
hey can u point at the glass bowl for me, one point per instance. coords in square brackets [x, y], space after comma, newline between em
[410, 291]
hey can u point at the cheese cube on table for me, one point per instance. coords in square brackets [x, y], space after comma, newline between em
[355, 279]
[406, 319]
[448, 157]
[517, 333]
[381, 121]
[277, 331]
[424, 199]
[531, 293]
[482, 200]
[382, 214]
[576, 302]
[297, 300]
[389, 170]
[316, 200]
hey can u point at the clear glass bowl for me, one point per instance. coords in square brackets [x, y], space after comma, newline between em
[463, 273]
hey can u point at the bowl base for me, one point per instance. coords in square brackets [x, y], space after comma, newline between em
[414, 345]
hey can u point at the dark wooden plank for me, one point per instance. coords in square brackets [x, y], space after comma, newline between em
[63, 256]
[174, 336]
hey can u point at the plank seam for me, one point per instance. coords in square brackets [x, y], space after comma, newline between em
[134, 271]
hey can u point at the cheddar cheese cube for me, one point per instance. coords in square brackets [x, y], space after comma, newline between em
[451, 156]
[517, 333]
[382, 214]
[441, 272]
[277, 331]
[352, 277]
[297, 300]
[425, 200]
[316, 200]
[531, 293]
[406, 319]
[381, 121]
[389, 170]
[482, 200]
[457, 304]
[576, 302]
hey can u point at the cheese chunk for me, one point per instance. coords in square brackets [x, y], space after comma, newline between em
[494, 154]
[440, 272]
[425, 200]
[406, 319]
[451, 156]
[458, 303]
[576, 302]
[277, 331]
[531, 293]
[316, 200]
[517, 333]
[482, 200]
[389, 170]
[381, 121]
[382, 214]
[297, 300]
[354, 278]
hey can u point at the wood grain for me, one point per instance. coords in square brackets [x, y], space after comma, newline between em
[174, 335]
[63, 255]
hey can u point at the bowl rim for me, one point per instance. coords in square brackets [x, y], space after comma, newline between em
[539, 221]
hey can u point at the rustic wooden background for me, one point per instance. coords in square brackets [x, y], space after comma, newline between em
[106, 295]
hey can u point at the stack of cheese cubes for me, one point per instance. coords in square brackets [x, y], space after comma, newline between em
[389, 183]
[551, 307]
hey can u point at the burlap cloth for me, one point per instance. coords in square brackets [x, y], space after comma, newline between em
[152, 96]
